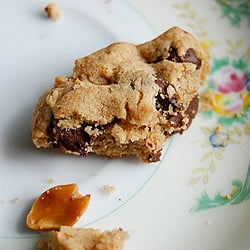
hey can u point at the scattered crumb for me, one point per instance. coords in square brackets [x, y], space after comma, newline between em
[53, 11]
[2, 202]
[109, 189]
[205, 100]
[218, 128]
[120, 199]
[14, 200]
[50, 181]
[208, 222]
[215, 6]
[45, 36]
[42, 244]
[133, 231]
[107, 6]
[197, 141]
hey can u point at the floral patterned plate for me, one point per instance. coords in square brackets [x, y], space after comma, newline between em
[198, 197]
[205, 191]
[225, 99]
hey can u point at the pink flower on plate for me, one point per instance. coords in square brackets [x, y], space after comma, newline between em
[229, 79]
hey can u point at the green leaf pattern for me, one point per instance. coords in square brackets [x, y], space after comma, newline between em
[235, 10]
[239, 193]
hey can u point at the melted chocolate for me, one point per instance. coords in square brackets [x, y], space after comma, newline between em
[154, 157]
[75, 140]
[163, 101]
[190, 57]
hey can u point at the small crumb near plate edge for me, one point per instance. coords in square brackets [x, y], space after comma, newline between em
[51, 181]
[14, 200]
[108, 189]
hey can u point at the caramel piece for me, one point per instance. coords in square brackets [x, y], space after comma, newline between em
[59, 205]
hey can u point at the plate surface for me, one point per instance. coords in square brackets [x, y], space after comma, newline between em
[200, 189]
[32, 54]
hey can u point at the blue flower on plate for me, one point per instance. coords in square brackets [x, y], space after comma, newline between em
[218, 139]
[248, 85]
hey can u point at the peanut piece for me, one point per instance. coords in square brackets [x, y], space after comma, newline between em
[59, 205]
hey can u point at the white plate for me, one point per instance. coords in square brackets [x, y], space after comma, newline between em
[34, 49]
[198, 196]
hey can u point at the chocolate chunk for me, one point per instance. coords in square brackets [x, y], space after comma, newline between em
[192, 108]
[190, 113]
[158, 59]
[75, 140]
[176, 120]
[164, 100]
[163, 103]
[173, 55]
[154, 157]
[190, 57]
[161, 82]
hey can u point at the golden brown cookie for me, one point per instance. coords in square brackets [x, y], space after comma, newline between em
[124, 99]
[84, 238]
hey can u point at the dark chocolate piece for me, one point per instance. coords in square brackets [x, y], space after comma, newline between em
[75, 140]
[190, 57]
[154, 157]
[163, 100]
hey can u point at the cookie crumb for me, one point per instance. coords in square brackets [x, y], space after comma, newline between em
[14, 200]
[50, 181]
[44, 36]
[208, 222]
[42, 244]
[53, 11]
[218, 128]
[109, 189]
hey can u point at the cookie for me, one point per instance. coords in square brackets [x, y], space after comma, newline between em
[84, 238]
[124, 99]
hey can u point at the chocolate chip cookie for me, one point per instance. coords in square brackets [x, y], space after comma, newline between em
[124, 99]
[72, 238]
